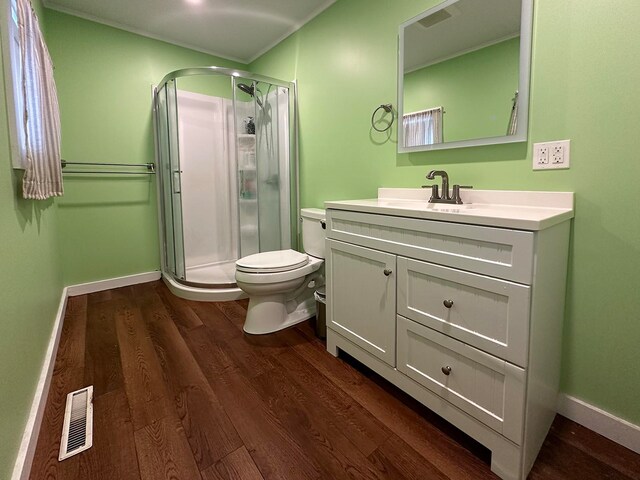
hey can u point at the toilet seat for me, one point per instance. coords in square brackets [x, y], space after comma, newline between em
[272, 262]
[276, 277]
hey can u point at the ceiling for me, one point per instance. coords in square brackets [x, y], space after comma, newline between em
[470, 25]
[239, 30]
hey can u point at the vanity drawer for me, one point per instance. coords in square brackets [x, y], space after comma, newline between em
[485, 387]
[490, 314]
[497, 252]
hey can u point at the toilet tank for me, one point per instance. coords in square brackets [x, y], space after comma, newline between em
[313, 231]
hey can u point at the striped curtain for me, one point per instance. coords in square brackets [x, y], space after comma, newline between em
[43, 172]
[423, 127]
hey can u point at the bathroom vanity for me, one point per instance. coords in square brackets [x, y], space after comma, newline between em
[460, 306]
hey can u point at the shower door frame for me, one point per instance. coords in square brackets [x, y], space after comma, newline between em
[294, 178]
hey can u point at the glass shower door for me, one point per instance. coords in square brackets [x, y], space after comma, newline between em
[272, 159]
[208, 170]
[262, 123]
[169, 162]
[244, 120]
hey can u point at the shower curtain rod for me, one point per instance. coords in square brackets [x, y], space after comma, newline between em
[151, 168]
[426, 110]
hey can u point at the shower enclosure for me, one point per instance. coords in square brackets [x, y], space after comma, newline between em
[226, 158]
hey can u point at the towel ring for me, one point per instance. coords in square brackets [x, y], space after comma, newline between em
[387, 107]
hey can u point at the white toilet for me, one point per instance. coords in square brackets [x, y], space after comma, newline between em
[280, 284]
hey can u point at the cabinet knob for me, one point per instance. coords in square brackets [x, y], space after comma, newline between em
[388, 271]
[448, 303]
[446, 370]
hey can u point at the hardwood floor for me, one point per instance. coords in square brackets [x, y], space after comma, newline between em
[182, 393]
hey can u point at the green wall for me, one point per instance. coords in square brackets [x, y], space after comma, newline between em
[476, 90]
[585, 77]
[216, 86]
[108, 225]
[30, 291]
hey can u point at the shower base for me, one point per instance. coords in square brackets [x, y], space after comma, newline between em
[223, 274]
[202, 293]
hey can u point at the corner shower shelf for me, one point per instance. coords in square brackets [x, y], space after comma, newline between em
[247, 139]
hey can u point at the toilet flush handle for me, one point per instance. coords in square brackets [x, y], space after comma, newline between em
[323, 224]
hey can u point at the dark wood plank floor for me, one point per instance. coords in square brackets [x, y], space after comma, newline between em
[182, 393]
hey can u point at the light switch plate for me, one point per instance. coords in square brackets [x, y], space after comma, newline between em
[548, 155]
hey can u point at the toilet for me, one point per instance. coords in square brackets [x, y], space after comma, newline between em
[280, 284]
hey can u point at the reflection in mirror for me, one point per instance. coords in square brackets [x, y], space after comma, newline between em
[463, 79]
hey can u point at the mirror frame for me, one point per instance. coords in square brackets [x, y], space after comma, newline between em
[526, 29]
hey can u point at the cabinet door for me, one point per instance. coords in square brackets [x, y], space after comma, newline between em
[361, 297]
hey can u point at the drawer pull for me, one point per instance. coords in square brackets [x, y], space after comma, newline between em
[387, 271]
[448, 303]
[446, 370]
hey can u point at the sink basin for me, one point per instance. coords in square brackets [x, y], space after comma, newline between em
[420, 205]
[449, 208]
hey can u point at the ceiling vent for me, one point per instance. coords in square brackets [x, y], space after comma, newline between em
[77, 429]
[439, 16]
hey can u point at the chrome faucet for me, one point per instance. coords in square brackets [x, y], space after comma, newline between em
[445, 197]
[445, 184]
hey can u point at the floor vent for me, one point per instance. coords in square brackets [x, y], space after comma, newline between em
[77, 429]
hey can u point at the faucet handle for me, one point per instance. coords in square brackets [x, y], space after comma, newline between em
[434, 192]
[456, 193]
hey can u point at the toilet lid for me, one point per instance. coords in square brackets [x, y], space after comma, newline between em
[272, 262]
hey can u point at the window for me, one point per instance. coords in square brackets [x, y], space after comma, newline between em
[32, 102]
[423, 127]
[13, 81]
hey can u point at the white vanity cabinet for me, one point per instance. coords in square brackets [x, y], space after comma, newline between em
[466, 318]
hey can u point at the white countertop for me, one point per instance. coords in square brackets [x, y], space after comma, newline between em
[522, 210]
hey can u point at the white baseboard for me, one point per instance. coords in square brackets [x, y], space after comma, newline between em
[108, 284]
[620, 431]
[22, 467]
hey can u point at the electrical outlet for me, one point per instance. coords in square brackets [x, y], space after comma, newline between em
[551, 155]
[557, 154]
[542, 155]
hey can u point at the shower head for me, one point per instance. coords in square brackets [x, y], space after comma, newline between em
[246, 88]
[250, 90]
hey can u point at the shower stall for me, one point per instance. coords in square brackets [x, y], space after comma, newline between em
[227, 175]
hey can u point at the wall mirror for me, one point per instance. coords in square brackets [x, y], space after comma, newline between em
[463, 75]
